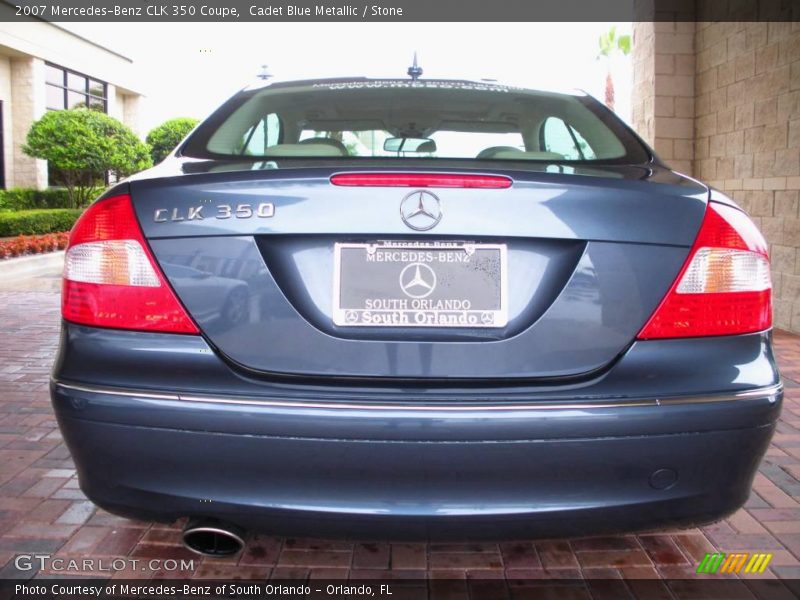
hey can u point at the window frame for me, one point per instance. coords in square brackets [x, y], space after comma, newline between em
[65, 88]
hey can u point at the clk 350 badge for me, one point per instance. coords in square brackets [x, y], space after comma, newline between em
[263, 210]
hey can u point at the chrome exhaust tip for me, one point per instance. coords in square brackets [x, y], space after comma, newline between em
[212, 537]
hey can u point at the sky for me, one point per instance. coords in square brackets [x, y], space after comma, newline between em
[188, 69]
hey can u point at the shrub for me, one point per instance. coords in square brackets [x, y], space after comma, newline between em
[83, 145]
[27, 198]
[33, 244]
[37, 221]
[163, 139]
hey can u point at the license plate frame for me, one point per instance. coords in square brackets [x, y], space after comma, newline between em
[414, 305]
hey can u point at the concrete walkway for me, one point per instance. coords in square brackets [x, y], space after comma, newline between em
[32, 273]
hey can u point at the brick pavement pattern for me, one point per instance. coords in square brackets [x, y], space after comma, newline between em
[42, 510]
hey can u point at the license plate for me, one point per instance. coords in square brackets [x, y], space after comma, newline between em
[420, 284]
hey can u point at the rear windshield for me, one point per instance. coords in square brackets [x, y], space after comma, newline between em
[375, 119]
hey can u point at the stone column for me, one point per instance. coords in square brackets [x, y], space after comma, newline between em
[664, 91]
[113, 102]
[130, 113]
[28, 104]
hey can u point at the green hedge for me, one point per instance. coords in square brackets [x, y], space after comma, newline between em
[29, 222]
[27, 198]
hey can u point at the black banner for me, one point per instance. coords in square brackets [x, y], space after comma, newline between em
[400, 10]
[395, 589]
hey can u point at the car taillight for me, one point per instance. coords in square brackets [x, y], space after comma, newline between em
[110, 277]
[724, 288]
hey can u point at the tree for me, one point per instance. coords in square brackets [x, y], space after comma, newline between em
[84, 145]
[610, 44]
[165, 137]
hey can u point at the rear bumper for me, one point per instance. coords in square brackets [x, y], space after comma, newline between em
[463, 470]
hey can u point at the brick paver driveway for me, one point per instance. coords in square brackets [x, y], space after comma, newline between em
[42, 509]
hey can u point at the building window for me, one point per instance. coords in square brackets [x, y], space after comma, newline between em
[68, 89]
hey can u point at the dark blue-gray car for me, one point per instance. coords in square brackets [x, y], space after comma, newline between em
[415, 309]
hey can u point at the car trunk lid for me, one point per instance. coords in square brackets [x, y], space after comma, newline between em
[268, 263]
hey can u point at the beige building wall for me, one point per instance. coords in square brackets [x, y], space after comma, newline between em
[721, 102]
[55, 44]
[25, 48]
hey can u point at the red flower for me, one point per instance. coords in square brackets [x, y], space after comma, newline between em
[25, 244]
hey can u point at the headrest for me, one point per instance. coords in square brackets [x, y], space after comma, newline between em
[328, 141]
[493, 150]
[303, 150]
[519, 155]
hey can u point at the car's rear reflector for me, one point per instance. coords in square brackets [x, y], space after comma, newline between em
[724, 288]
[113, 262]
[111, 278]
[421, 180]
[723, 270]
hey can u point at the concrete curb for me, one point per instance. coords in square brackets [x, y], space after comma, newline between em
[31, 265]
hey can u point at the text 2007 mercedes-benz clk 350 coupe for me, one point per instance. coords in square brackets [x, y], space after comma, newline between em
[415, 308]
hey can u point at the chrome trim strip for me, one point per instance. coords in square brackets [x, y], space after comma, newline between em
[115, 391]
[771, 393]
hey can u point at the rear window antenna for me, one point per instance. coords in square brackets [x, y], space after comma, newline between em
[414, 71]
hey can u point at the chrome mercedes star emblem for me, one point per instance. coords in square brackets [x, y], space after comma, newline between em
[421, 210]
[417, 280]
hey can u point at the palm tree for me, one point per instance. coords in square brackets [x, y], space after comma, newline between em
[610, 44]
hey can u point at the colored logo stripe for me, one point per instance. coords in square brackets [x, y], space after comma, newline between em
[733, 563]
[758, 563]
[711, 562]
[719, 562]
